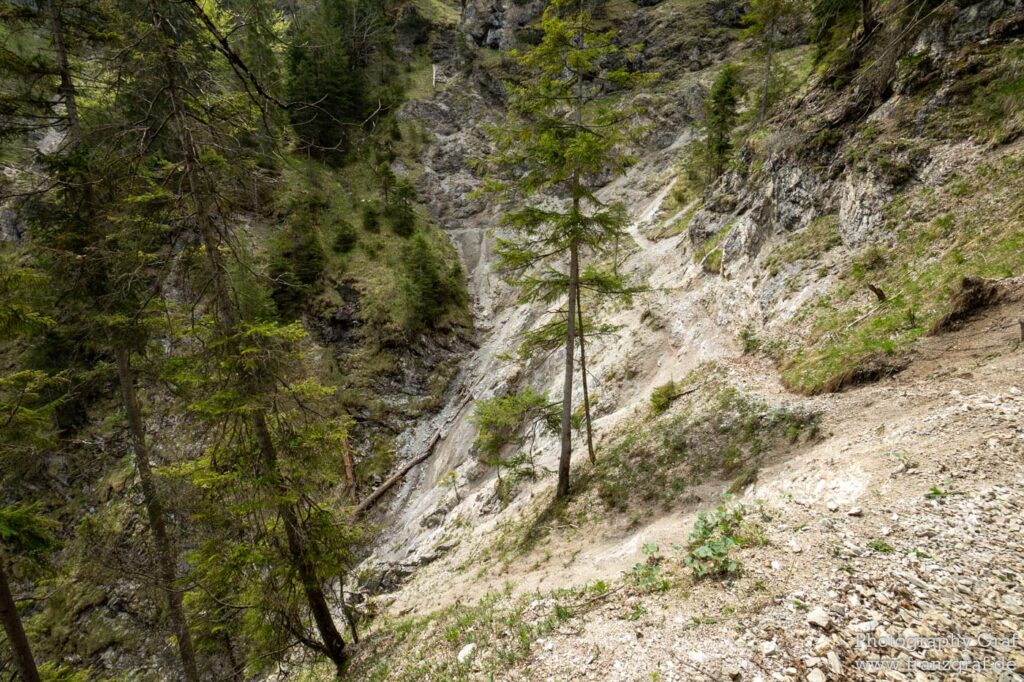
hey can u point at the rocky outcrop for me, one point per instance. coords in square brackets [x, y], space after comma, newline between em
[495, 24]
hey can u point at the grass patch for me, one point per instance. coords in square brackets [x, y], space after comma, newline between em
[662, 396]
[441, 12]
[709, 254]
[501, 628]
[986, 99]
[973, 227]
[723, 433]
[881, 546]
[810, 244]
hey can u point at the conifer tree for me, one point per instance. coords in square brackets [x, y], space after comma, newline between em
[562, 138]
[25, 430]
[97, 252]
[331, 43]
[764, 23]
[721, 112]
[275, 447]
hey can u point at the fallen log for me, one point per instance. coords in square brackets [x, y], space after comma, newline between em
[375, 496]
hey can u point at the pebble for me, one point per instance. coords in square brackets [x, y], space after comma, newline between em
[466, 652]
[816, 676]
[818, 617]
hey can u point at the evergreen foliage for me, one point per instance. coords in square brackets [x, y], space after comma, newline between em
[721, 112]
[400, 207]
[505, 425]
[332, 42]
[138, 276]
[765, 22]
[562, 136]
[430, 289]
[833, 22]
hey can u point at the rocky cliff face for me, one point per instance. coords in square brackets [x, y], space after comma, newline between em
[838, 173]
[497, 24]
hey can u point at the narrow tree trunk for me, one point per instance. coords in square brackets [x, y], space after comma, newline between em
[565, 458]
[24, 662]
[867, 18]
[155, 512]
[350, 474]
[333, 644]
[229, 646]
[67, 86]
[331, 641]
[583, 371]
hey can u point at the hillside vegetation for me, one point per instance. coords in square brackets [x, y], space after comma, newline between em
[510, 339]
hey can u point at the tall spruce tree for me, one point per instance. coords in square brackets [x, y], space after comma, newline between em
[90, 236]
[272, 449]
[26, 429]
[721, 109]
[562, 138]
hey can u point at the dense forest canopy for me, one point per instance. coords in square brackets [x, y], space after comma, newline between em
[154, 138]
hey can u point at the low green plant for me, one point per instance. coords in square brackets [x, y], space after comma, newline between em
[881, 546]
[709, 553]
[937, 493]
[636, 612]
[371, 217]
[648, 576]
[662, 396]
[750, 342]
[345, 238]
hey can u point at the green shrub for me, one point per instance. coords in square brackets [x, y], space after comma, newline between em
[296, 270]
[430, 289]
[662, 396]
[723, 433]
[881, 546]
[749, 340]
[371, 217]
[345, 239]
[715, 535]
[401, 209]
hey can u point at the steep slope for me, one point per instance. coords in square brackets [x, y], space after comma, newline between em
[899, 522]
[893, 179]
